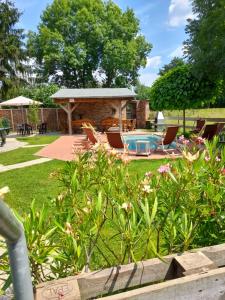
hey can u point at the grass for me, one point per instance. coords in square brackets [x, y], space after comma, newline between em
[18, 155]
[31, 183]
[38, 139]
[34, 182]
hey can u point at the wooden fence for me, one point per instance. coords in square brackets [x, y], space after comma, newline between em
[199, 274]
[55, 118]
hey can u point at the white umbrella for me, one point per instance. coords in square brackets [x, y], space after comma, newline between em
[20, 102]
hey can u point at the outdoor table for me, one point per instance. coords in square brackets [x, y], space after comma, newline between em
[143, 148]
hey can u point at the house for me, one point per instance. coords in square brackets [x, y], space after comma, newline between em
[100, 103]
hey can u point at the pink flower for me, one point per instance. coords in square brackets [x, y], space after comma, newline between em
[218, 158]
[207, 158]
[181, 138]
[164, 168]
[223, 171]
[200, 140]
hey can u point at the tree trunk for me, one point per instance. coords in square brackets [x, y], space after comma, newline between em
[184, 121]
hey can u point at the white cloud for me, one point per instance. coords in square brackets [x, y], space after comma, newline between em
[148, 78]
[178, 52]
[154, 62]
[179, 12]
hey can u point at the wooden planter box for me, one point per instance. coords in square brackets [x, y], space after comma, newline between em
[199, 274]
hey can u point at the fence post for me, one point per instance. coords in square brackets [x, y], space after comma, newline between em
[12, 121]
[12, 230]
[57, 118]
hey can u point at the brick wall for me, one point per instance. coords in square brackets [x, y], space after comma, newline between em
[56, 118]
[142, 113]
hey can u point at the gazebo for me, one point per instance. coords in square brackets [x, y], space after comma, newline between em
[72, 99]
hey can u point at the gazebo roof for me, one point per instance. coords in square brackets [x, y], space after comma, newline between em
[20, 101]
[94, 93]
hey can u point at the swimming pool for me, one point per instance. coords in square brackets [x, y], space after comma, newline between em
[132, 139]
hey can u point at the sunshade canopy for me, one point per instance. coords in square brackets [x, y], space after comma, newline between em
[19, 101]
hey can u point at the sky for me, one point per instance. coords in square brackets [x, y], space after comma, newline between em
[162, 22]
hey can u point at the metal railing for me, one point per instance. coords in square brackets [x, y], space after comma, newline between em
[12, 230]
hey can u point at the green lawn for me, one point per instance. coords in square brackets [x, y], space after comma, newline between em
[18, 155]
[31, 183]
[39, 139]
[35, 183]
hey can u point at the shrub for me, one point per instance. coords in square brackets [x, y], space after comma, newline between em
[105, 217]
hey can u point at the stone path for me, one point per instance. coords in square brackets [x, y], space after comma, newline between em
[33, 146]
[24, 164]
[11, 144]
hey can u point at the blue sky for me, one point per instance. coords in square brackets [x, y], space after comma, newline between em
[162, 23]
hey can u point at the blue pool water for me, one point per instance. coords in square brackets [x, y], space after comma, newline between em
[131, 140]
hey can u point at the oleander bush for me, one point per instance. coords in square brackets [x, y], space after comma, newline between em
[105, 217]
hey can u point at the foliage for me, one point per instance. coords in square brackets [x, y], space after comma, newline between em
[180, 89]
[87, 43]
[175, 62]
[206, 43]
[11, 48]
[4, 122]
[142, 91]
[39, 92]
[33, 114]
[103, 218]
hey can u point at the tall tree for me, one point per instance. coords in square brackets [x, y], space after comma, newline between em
[83, 43]
[179, 89]
[175, 62]
[11, 47]
[205, 46]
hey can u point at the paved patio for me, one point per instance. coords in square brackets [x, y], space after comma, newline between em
[65, 148]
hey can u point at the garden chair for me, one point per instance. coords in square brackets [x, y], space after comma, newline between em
[42, 128]
[200, 123]
[168, 138]
[90, 134]
[115, 140]
[220, 127]
[210, 131]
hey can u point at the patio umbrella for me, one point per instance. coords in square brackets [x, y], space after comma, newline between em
[20, 101]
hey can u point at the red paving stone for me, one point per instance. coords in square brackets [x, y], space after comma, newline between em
[64, 148]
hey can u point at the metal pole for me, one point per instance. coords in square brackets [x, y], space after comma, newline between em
[12, 230]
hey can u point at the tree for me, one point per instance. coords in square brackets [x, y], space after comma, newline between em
[205, 46]
[33, 114]
[142, 91]
[175, 62]
[180, 89]
[11, 48]
[83, 43]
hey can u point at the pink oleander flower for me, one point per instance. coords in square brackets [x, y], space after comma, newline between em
[185, 142]
[200, 140]
[218, 158]
[207, 158]
[164, 168]
[181, 138]
[148, 174]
